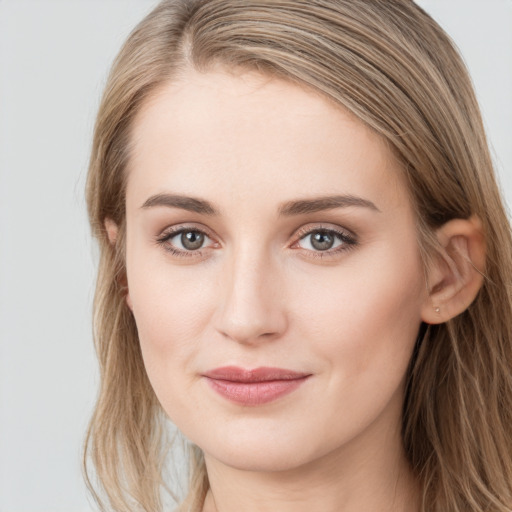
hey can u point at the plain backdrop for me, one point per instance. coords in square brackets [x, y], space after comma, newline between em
[54, 57]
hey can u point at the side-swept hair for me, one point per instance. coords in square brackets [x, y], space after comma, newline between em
[391, 65]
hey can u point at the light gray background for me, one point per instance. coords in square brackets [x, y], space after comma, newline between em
[54, 56]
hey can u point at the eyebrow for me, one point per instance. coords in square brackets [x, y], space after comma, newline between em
[318, 204]
[287, 209]
[190, 204]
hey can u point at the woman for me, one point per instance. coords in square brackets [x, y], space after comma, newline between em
[305, 264]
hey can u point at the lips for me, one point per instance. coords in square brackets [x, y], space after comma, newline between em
[254, 387]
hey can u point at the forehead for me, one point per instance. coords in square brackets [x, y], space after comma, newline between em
[246, 136]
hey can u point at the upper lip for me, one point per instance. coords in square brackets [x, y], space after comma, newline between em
[261, 374]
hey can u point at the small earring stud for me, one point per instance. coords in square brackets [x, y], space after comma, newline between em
[437, 309]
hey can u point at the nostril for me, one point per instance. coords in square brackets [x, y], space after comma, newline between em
[255, 330]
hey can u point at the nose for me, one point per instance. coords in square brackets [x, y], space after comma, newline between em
[251, 305]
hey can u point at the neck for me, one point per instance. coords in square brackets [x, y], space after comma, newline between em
[369, 473]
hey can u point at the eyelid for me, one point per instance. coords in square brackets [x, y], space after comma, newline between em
[311, 228]
[348, 238]
[178, 228]
[169, 232]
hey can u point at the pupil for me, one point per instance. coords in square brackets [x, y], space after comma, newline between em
[192, 240]
[322, 241]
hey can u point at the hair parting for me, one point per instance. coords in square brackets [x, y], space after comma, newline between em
[391, 66]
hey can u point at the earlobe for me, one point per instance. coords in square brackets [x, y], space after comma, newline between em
[457, 272]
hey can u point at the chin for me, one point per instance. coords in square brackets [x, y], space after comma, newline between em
[263, 452]
[257, 460]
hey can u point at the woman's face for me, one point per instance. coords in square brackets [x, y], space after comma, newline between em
[269, 230]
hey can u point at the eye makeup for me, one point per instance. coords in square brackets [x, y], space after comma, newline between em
[324, 242]
[338, 240]
[186, 235]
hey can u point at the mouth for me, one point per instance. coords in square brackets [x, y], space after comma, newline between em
[254, 387]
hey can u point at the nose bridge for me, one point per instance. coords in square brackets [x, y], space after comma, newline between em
[250, 302]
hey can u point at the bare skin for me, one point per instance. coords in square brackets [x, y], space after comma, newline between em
[337, 293]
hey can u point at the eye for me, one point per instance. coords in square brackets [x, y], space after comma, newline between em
[183, 241]
[324, 241]
[191, 240]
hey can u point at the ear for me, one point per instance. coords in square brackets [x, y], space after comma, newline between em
[112, 231]
[457, 272]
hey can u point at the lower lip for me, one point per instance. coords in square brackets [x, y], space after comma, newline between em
[254, 393]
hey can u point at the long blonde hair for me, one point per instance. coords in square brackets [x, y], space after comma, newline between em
[392, 66]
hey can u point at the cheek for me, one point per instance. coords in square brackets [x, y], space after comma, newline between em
[171, 310]
[364, 317]
[169, 321]
[356, 323]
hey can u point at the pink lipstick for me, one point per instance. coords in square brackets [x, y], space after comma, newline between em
[254, 387]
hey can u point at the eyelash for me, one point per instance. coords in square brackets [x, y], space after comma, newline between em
[349, 241]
